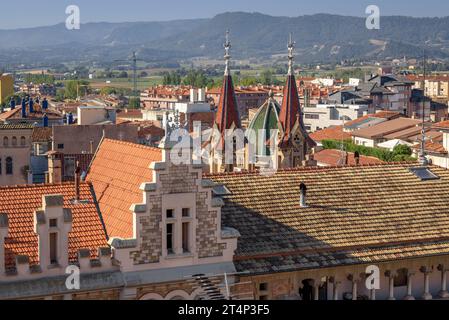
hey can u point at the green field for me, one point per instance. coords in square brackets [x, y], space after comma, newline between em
[127, 83]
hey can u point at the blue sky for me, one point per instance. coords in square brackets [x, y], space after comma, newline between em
[29, 13]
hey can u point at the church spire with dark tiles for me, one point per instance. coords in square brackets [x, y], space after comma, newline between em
[291, 113]
[227, 112]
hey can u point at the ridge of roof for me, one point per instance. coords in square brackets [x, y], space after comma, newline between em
[312, 168]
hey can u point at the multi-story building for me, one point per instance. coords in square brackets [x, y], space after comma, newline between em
[15, 153]
[327, 115]
[6, 87]
[38, 89]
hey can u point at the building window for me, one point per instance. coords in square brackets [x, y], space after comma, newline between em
[185, 237]
[14, 141]
[53, 248]
[185, 212]
[53, 223]
[9, 166]
[401, 278]
[263, 297]
[60, 146]
[5, 141]
[170, 214]
[170, 238]
[263, 286]
[22, 141]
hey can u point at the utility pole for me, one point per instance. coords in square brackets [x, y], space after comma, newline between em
[422, 156]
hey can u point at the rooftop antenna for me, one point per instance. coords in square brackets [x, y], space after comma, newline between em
[134, 60]
[422, 156]
[227, 56]
[291, 48]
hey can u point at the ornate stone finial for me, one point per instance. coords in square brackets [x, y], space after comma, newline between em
[291, 48]
[227, 57]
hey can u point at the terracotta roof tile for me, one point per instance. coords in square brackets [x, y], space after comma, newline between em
[331, 133]
[41, 134]
[334, 158]
[20, 202]
[117, 171]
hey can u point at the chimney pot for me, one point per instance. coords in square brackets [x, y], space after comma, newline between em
[303, 194]
[77, 181]
[357, 158]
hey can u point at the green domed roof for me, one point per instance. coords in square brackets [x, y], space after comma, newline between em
[266, 119]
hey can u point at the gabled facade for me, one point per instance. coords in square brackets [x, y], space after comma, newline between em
[163, 220]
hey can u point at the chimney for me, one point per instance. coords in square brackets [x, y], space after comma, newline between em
[302, 195]
[31, 104]
[201, 95]
[54, 167]
[45, 121]
[24, 110]
[77, 181]
[45, 104]
[193, 95]
[357, 158]
[12, 104]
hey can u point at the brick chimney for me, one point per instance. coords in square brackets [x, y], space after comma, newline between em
[54, 174]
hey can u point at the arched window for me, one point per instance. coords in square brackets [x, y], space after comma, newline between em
[14, 141]
[9, 167]
[5, 141]
[22, 141]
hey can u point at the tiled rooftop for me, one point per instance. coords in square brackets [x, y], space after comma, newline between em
[20, 202]
[117, 171]
[331, 133]
[356, 214]
[41, 134]
[334, 158]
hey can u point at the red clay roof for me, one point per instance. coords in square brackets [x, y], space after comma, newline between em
[331, 133]
[442, 125]
[334, 158]
[20, 202]
[117, 171]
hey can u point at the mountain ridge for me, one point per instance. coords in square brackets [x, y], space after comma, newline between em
[320, 38]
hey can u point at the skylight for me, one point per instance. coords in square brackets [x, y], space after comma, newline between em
[424, 173]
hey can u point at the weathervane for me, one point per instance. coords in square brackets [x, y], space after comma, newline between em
[291, 47]
[227, 46]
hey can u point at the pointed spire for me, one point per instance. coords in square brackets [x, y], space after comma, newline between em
[227, 110]
[290, 109]
[227, 56]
